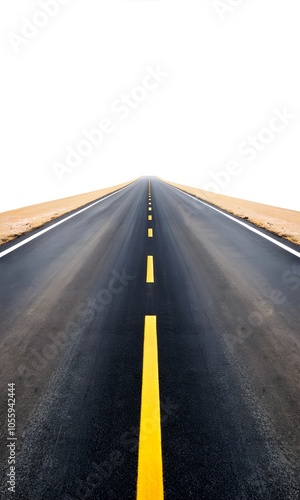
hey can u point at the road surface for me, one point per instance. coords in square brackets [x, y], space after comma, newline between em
[154, 345]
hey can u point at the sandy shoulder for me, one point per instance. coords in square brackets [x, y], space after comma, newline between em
[15, 223]
[280, 221]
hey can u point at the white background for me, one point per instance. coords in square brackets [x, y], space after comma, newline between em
[225, 76]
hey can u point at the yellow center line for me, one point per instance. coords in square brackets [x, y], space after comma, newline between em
[149, 208]
[150, 232]
[150, 468]
[150, 269]
[149, 217]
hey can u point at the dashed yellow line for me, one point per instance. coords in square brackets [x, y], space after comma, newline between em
[150, 468]
[150, 269]
[149, 208]
[150, 232]
[149, 217]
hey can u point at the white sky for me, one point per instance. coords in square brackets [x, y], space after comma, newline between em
[226, 76]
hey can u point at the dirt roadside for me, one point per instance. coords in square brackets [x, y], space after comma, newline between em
[15, 223]
[280, 221]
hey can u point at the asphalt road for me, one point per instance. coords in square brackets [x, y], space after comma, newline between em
[72, 325]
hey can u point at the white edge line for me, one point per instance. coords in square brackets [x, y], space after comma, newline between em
[269, 238]
[30, 238]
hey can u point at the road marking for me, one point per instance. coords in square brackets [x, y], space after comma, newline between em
[43, 231]
[149, 208]
[149, 217]
[150, 269]
[150, 467]
[150, 233]
[250, 228]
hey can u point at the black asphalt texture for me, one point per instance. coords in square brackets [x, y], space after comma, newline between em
[73, 303]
